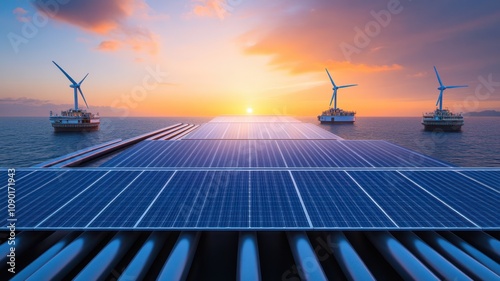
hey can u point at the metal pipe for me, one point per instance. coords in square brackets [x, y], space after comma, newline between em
[484, 242]
[473, 252]
[307, 263]
[353, 267]
[179, 261]
[463, 261]
[430, 257]
[248, 257]
[46, 256]
[60, 265]
[108, 257]
[402, 260]
[139, 266]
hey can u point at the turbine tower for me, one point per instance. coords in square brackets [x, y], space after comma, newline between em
[442, 88]
[335, 88]
[75, 86]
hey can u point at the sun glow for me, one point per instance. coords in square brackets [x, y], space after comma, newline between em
[249, 110]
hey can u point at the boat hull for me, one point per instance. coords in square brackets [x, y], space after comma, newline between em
[444, 128]
[75, 127]
[336, 119]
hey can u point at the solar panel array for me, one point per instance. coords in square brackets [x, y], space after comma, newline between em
[217, 199]
[260, 173]
[270, 154]
[260, 130]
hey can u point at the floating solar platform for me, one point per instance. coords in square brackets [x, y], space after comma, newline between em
[335, 199]
[260, 173]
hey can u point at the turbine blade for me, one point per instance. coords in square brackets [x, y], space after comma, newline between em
[346, 86]
[83, 79]
[439, 78]
[333, 96]
[333, 83]
[440, 97]
[67, 75]
[81, 93]
[461, 86]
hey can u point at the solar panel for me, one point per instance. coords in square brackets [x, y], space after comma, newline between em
[234, 130]
[79, 210]
[473, 200]
[333, 200]
[489, 178]
[126, 209]
[275, 202]
[200, 199]
[39, 196]
[405, 203]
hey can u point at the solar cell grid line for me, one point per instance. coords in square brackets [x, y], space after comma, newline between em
[490, 179]
[19, 175]
[306, 131]
[333, 200]
[407, 204]
[375, 156]
[114, 198]
[225, 201]
[439, 163]
[368, 145]
[126, 209]
[413, 159]
[37, 181]
[265, 154]
[283, 131]
[143, 157]
[341, 143]
[339, 153]
[175, 155]
[86, 205]
[154, 200]
[299, 153]
[42, 203]
[275, 202]
[356, 152]
[201, 199]
[202, 155]
[471, 199]
[127, 154]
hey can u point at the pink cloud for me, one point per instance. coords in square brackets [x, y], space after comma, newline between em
[20, 14]
[212, 8]
[112, 20]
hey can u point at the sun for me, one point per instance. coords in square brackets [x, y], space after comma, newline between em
[249, 110]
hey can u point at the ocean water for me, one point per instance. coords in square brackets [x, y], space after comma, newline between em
[27, 141]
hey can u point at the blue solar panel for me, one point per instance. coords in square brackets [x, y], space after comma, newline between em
[473, 200]
[41, 198]
[127, 208]
[268, 130]
[414, 158]
[342, 157]
[90, 201]
[334, 200]
[489, 178]
[200, 200]
[20, 177]
[265, 153]
[275, 202]
[407, 204]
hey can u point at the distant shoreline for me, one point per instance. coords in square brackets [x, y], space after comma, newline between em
[485, 113]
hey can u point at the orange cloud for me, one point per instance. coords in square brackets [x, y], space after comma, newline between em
[212, 8]
[109, 45]
[110, 19]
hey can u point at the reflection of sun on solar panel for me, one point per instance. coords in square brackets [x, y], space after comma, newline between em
[235, 177]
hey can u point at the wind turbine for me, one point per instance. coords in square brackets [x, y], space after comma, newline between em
[335, 88]
[75, 86]
[442, 88]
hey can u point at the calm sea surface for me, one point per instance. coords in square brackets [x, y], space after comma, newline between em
[26, 141]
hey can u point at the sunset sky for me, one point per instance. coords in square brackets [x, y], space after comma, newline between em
[214, 57]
